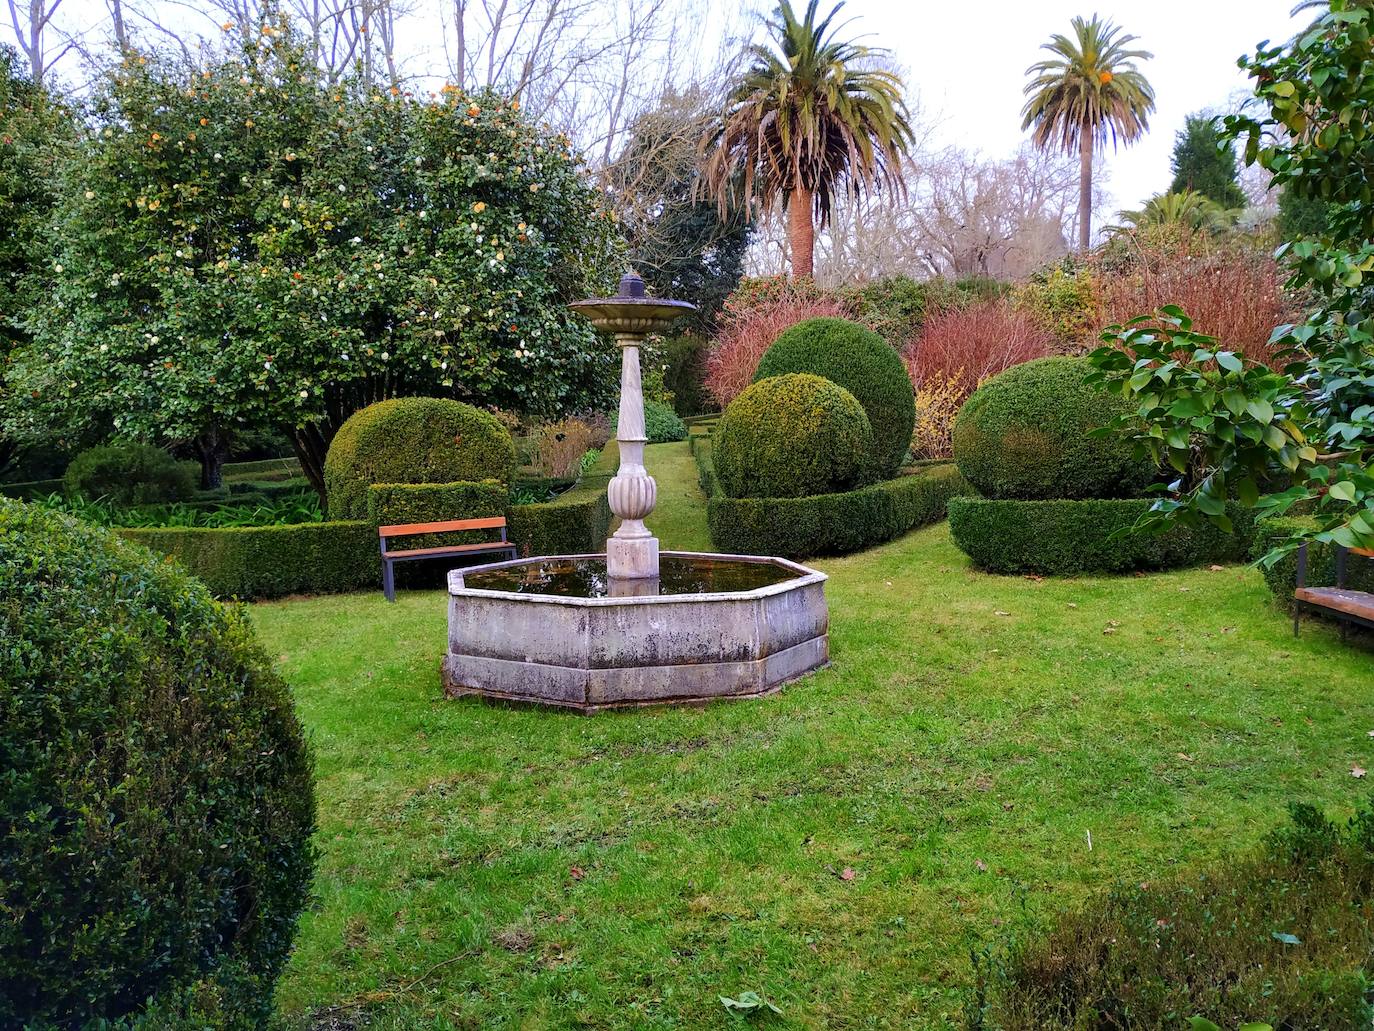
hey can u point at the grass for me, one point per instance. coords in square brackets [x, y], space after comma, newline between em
[838, 848]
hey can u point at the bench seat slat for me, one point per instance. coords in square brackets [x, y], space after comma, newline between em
[455, 549]
[412, 529]
[1338, 599]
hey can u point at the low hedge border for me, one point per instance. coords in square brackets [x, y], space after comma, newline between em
[271, 561]
[256, 562]
[1282, 576]
[828, 524]
[1061, 538]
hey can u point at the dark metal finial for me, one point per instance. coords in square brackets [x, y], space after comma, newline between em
[631, 285]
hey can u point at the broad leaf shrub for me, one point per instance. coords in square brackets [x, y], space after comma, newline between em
[1282, 936]
[684, 356]
[130, 474]
[790, 436]
[414, 440]
[860, 361]
[1062, 300]
[156, 804]
[1024, 434]
[1087, 535]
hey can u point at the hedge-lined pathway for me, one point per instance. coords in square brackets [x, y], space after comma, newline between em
[838, 847]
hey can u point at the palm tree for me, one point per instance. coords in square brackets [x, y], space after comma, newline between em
[1090, 92]
[810, 118]
[1193, 211]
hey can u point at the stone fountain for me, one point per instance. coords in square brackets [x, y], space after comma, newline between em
[633, 627]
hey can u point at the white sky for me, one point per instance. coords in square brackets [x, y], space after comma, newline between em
[965, 64]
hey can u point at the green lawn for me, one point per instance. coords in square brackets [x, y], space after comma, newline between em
[838, 847]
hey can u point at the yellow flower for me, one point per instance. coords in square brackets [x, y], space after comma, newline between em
[248, 123]
[480, 206]
[286, 202]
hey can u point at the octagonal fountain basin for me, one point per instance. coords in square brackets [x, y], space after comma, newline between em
[558, 631]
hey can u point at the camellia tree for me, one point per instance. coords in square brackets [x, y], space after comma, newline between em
[1236, 431]
[244, 244]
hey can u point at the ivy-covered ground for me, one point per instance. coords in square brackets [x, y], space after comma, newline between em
[981, 751]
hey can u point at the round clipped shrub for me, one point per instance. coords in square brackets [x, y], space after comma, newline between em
[130, 474]
[413, 440]
[859, 360]
[156, 804]
[661, 423]
[792, 436]
[1024, 434]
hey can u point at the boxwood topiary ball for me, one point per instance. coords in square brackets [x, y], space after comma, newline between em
[156, 804]
[859, 360]
[413, 440]
[792, 436]
[1023, 434]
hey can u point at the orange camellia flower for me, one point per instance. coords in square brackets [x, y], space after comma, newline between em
[480, 206]
[474, 110]
[515, 105]
[1105, 78]
[205, 121]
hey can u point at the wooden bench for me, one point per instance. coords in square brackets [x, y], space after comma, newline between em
[389, 557]
[1342, 604]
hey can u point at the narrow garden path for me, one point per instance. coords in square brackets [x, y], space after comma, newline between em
[839, 847]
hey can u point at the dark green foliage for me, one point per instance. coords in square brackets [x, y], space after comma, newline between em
[862, 362]
[130, 474]
[896, 306]
[1023, 434]
[1205, 161]
[829, 524]
[156, 803]
[576, 522]
[1302, 217]
[661, 423]
[790, 436]
[685, 375]
[253, 562]
[414, 440]
[392, 503]
[1066, 537]
[1282, 575]
[1281, 936]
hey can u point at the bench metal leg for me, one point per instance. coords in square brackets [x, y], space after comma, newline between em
[388, 580]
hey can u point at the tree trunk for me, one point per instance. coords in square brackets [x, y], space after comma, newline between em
[311, 446]
[1085, 191]
[801, 232]
[212, 448]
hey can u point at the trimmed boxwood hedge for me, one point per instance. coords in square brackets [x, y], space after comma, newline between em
[1023, 434]
[156, 805]
[413, 440]
[793, 436]
[576, 522]
[1282, 576]
[1058, 538]
[826, 524]
[862, 362]
[392, 503]
[271, 561]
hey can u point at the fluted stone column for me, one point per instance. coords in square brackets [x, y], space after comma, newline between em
[632, 553]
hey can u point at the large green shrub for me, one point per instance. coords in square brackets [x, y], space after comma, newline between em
[1024, 434]
[156, 803]
[1280, 936]
[1068, 536]
[413, 440]
[790, 436]
[130, 474]
[860, 361]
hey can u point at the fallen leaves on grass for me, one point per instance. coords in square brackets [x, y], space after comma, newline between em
[748, 1002]
[1357, 771]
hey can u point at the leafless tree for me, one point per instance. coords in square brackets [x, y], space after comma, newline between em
[32, 22]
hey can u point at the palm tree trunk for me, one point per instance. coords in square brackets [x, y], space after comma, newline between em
[1085, 191]
[801, 233]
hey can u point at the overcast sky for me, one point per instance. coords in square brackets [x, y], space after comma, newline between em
[966, 63]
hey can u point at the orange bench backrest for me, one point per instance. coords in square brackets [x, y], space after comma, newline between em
[411, 529]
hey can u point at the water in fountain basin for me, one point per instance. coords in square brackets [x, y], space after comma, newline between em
[586, 578]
